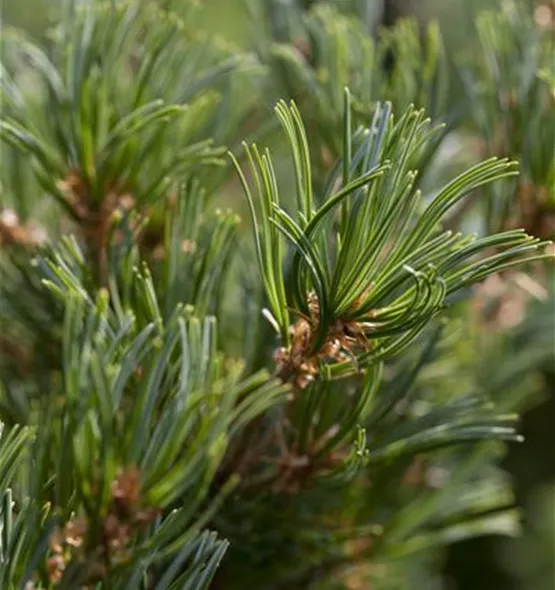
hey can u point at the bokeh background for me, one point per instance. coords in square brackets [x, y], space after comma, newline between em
[487, 563]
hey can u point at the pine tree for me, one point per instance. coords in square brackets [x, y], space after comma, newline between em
[302, 405]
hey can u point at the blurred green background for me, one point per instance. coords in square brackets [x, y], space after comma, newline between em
[481, 564]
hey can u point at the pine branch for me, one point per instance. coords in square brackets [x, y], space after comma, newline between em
[144, 413]
[349, 239]
[132, 430]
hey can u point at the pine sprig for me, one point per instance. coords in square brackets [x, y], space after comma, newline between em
[144, 413]
[315, 54]
[99, 138]
[510, 96]
[371, 264]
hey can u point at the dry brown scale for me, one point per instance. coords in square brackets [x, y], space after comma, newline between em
[15, 233]
[97, 221]
[299, 363]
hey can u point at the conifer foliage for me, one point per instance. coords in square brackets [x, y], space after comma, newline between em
[187, 406]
